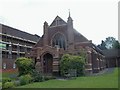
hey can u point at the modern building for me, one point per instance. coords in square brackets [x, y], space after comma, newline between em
[14, 43]
[60, 38]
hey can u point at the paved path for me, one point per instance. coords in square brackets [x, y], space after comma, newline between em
[110, 70]
[107, 70]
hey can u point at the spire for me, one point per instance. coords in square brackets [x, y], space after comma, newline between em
[69, 12]
[69, 18]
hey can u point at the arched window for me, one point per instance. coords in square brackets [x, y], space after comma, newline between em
[59, 40]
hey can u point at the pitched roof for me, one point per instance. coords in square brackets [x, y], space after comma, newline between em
[40, 42]
[97, 48]
[18, 33]
[79, 37]
[112, 53]
[58, 21]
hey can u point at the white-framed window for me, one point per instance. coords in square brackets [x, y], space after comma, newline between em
[4, 65]
[14, 65]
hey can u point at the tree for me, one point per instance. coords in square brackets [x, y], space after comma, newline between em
[25, 65]
[109, 43]
[116, 45]
[102, 46]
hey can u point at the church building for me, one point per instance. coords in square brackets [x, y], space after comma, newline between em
[61, 38]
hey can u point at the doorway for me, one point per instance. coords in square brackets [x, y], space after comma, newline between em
[47, 63]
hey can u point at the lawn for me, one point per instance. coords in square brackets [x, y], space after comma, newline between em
[11, 75]
[107, 80]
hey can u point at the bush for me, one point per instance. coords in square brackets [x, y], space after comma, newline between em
[25, 65]
[77, 63]
[25, 79]
[69, 62]
[4, 80]
[37, 76]
[8, 85]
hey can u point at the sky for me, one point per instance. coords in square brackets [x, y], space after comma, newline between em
[95, 19]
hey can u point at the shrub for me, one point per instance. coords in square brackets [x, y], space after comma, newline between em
[69, 62]
[8, 85]
[25, 79]
[25, 65]
[37, 76]
[64, 64]
[4, 80]
[77, 62]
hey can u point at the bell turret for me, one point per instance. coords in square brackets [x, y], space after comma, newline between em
[70, 32]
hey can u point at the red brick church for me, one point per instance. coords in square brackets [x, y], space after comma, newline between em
[60, 38]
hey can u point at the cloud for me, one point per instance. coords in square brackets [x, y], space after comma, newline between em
[95, 19]
[3, 20]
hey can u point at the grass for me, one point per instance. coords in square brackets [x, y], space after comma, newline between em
[10, 74]
[108, 80]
